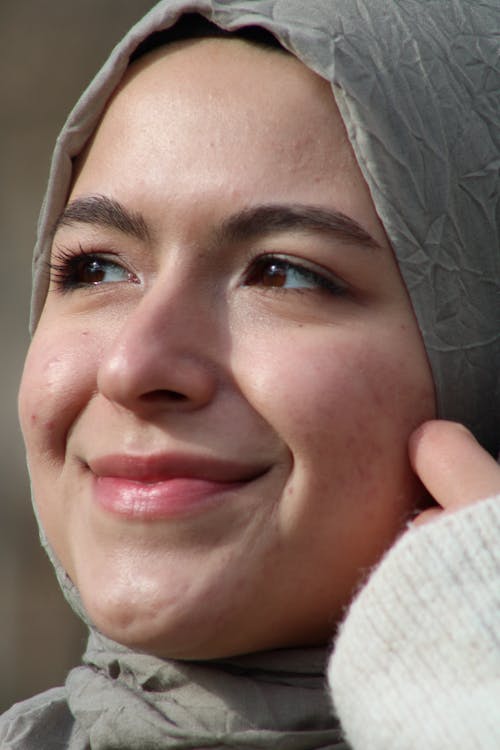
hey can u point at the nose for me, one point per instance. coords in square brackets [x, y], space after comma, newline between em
[162, 356]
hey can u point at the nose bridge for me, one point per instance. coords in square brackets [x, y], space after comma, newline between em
[165, 346]
[172, 314]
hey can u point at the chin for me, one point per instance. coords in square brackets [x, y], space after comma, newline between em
[156, 628]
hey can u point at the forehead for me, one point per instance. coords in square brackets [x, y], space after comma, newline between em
[224, 116]
[229, 65]
[217, 94]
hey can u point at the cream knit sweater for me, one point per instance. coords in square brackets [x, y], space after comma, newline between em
[417, 661]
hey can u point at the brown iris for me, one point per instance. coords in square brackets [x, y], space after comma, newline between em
[268, 273]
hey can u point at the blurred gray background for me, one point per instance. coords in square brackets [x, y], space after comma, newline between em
[49, 50]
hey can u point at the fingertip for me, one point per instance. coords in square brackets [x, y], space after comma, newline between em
[429, 436]
[451, 464]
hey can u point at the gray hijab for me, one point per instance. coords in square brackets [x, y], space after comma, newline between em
[416, 86]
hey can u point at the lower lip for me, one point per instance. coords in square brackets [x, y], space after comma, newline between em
[162, 499]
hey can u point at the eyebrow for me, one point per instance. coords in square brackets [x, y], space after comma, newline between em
[258, 221]
[106, 212]
[249, 224]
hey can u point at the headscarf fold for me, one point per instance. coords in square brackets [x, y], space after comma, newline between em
[125, 699]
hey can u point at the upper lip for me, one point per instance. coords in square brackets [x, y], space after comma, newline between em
[161, 467]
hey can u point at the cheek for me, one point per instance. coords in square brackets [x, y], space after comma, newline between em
[342, 404]
[58, 380]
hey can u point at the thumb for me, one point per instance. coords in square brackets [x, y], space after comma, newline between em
[452, 465]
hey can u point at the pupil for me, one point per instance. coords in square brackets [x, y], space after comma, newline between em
[275, 275]
[91, 272]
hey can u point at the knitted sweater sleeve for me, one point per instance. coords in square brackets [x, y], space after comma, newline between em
[416, 665]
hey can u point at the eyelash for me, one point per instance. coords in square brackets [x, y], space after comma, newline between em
[64, 272]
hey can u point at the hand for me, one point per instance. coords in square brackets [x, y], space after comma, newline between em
[453, 467]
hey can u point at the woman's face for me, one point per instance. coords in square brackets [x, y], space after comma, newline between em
[218, 396]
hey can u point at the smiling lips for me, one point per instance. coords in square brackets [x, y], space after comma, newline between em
[162, 487]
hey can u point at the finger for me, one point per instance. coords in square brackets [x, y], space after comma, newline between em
[426, 516]
[452, 465]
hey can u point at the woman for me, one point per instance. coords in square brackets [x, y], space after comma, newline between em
[226, 370]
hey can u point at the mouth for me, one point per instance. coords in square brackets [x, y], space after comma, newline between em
[161, 487]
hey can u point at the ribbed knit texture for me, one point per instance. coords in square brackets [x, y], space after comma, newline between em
[417, 661]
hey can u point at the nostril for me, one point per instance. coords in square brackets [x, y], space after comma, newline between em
[164, 395]
[175, 395]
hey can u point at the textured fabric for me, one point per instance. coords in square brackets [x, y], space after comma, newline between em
[132, 701]
[275, 700]
[417, 661]
[44, 721]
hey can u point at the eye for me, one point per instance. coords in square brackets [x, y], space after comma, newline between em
[281, 273]
[71, 271]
